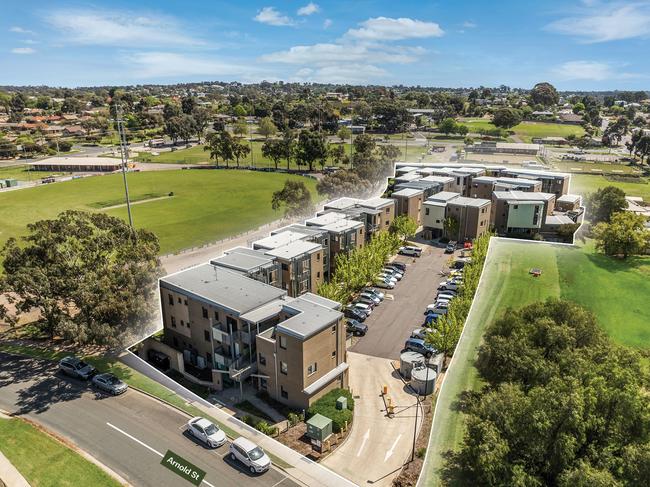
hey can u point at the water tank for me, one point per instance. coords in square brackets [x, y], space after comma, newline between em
[423, 380]
[406, 362]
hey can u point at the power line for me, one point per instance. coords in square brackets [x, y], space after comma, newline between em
[124, 153]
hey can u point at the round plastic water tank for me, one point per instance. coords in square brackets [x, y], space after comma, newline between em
[406, 362]
[423, 380]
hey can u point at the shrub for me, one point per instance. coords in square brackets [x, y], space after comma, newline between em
[293, 419]
[326, 406]
[421, 452]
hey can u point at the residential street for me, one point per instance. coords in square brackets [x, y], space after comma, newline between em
[129, 433]
[391, 323]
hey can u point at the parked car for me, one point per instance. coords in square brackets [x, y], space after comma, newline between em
[383, 284]
[250, 455]
[206, 432]
[420, 333]
[393, 267]
[410, 251]
[420, 346]
[374, 291]
[443, 298]
[370, 302]
[438, 305]
[396, 274]
[356, 327]
[448, 286]
[430, 318]
[370, 296]
[109, 383]
[387, 277]
[448, 295]
[398, 265]
[354, 313]
[366, 308]
[75, 367]
[437, 308]
[451, 247]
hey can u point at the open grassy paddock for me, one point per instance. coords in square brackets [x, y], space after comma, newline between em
[207, 204]
[584, 184]
[579, 167]
[528, 130]
[615, 291]
[21, 172]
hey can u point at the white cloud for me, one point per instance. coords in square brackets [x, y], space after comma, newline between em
[309, 9]
[23, 50]
[157, 64]
[468, 24]
[609, 23]
[119, 29]
[388, 29]
[327, 23]
[270, 16]
[590, 70]
[341, 73]
[20, 30]
[324, 54]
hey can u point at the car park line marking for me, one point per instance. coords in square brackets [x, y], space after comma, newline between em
[390, 452]
[363, 443]
[146, 446]
[279, 481]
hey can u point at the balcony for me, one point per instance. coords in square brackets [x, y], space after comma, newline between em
[222, 359]
[220, 336]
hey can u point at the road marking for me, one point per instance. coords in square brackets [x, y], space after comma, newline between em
[363, 444]
[390, 452]
[279, 481]
[146, 446]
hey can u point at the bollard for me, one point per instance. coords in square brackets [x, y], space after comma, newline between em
[384, 390]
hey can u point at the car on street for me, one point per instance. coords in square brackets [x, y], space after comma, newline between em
[410, 251]
[354, 313]
[451, 247]
[383, 283]
[420, 346]
[375, 292]
[75, 367]
[370, 296]
[356, 327]
[251, 455]
[109, 383]
[366, 308]
[206, 432]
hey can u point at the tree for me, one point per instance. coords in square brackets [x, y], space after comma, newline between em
[267, 128]
[171, 110]
[404, 227]
[364, 145]
[311, 147]
[295, 197]
[391, 117]
[89, 275]
[201, 117]
[188, 104]
[625, 234]
[240, 150]
[220, 145]
[240, 129]
[447, 126]
[7, 149]
[343, 183]
[451, 227]
[337, 153]
[274, 149]
[605, 202]
[506, 118]
[344, 133]
[544, 94]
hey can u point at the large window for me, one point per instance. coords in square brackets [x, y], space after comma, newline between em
[171, 300]
[206, 335]
[173, 322]
[284, 369]
[283, 342]
[312, 368]
[205, 312]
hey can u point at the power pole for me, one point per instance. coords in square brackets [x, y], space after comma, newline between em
[125, 158]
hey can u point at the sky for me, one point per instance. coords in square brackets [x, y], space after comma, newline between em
[574, 44]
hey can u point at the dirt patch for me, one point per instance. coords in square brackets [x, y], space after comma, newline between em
[296, 439]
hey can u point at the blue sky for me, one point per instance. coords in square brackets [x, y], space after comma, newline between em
[588, 44]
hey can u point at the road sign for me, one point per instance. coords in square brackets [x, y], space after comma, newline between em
[182, 467]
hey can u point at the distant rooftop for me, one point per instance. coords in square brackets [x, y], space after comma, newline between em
[309, 317]
[242, 259]
[278, 240]
[342, 226]
[443, 196]
[407, 192]
[342, 203]
[465, 201]
[376, 203]
[523, 196]
[294, 249]
[325, 219]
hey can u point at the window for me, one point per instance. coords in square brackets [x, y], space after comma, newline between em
[318, 256]
[437, 221]
[387, 211]
[173, 322]
[285, 267]
[205, 312]
[179, 300]
[182, 323]
[387, 222]
[185, 302]
[206, 335]
[318, 275]
[426, 211]
[334, 329]
[232, 323]
[516, 206]
[261, 359]
[284, 393]
[283, 368]
[334, 354]
[171, 300]
[283, 342]
[188, 324]
[216, 316]
[312, 368]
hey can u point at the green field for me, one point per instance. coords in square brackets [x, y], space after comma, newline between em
[207, 205]
[44, 462]
[615, 291]
[528, 130]
[589, 167]
[21, 173]
[583, 184]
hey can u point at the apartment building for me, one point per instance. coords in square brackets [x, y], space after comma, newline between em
[303, 356]
[568, 202]
[520, 213]
[409, 203]
[472, 216]
[484, 186]
[552, 182]
[429, 185]
[312, 234]
[377, 213]
[251, 263]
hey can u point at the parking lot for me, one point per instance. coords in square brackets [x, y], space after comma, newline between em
[391, 323]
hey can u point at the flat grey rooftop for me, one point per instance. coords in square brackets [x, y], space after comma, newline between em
[465, 201]
[443, 196]
[342, 226]
[278, 240]
[305, 230]
[242, 259]
[342, 203]
[408, 192]
[294, 249]
[222, 287]
[522, 196]
[326, 218]
[308, 318]
[376, 203]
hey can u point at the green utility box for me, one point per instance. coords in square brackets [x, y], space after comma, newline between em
[342, 403]
[10, 183]
[319, 428]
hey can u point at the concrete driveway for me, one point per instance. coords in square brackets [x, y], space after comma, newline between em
[391, 323]
[377, 446]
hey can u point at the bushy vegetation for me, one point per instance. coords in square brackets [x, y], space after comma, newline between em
[562, 405]
[446, 331]
[326, 406]
[357, 268]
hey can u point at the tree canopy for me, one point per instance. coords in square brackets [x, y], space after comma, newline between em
[604, 202]
[625, 234]
[544, 94]
[506, 118]
[295, 197]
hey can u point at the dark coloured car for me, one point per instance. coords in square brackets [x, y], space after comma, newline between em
[398, 265]
[375, 292]
[356, 327]
[451, 247]
[355, 313]
[75, 367]
[109, 383]
[420, 346]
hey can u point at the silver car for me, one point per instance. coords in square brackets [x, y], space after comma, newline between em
[109, 383]
[206, 432]
[250, 455]
[75, 367]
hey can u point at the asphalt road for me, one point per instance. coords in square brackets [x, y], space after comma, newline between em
[129, 433]
[392, 322]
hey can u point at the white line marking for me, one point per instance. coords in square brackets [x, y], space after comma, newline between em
[136, 440]
[279, 481]
[390, 452]
[363, 443]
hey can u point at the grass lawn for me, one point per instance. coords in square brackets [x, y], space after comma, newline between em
[207, 204]
[21, 173]
[44, 461]
[528, 130]
[583, 184]
[587, 167]
[615, 291]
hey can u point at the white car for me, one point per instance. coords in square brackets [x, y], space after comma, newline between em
[366, 308]
[382, 283]
[206, 432]
[438, 305]
[420, 333]
[444, 295]
[410, 250]
[396, 274]
[443, 299]
[448, 285]
[250, 455]
[372, 297]
[387, 276]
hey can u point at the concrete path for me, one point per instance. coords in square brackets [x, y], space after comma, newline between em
[377, 446]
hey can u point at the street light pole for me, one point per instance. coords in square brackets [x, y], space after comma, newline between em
[125, 158]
